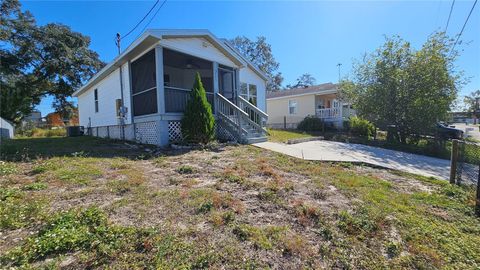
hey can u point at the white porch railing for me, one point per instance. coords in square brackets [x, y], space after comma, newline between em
[244, 122]
[335, 112]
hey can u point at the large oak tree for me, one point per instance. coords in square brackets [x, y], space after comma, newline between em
[39, 60]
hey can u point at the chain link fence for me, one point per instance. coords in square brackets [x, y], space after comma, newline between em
[465, 167]
[465, 162]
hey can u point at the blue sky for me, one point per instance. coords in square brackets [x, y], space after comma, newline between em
[305, 36]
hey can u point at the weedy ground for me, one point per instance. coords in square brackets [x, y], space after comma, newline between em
[91, 203]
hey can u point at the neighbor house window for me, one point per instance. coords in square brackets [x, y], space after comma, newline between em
[144, 84]
[292, 106]
[95, 97]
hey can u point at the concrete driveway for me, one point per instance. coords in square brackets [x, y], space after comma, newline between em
[337, 151]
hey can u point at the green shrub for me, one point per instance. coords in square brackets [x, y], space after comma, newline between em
[198, 122]
[35, 186]
[361, 127]
[311, 123]
[185, 169]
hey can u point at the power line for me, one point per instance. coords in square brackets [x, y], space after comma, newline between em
[463, 28]
[151, 19]
[450, 15]
[144, 17]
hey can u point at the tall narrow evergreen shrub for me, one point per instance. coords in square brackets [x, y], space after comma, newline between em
[198, 124]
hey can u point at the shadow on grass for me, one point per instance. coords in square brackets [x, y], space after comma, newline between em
[23, 149]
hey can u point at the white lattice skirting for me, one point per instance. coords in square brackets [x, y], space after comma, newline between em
[145, 132]
[175, 132]
[149, 132]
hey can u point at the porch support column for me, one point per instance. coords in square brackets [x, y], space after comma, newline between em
[160, 86]
[237, 83]
[162, 124]
[216, 87]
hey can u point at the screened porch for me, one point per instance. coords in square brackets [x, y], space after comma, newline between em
[178, 77]
[179, 71]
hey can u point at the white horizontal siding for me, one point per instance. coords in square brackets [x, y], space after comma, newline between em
[108, 92]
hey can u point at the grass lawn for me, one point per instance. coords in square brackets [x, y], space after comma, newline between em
[83, 202]
[277, 135]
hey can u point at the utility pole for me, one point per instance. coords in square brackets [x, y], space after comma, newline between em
[339, 65]
[117, 42]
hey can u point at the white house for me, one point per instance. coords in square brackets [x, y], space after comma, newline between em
[6, 129]
[142, 94]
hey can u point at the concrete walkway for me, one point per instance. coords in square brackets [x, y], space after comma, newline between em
[337, 151]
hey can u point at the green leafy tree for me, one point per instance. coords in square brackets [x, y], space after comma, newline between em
[411, 89]
[259, 52]
[198, 124]
[469, 102]
[39, 60]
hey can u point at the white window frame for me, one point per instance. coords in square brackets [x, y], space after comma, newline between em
[292, 103]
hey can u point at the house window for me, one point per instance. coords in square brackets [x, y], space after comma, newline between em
[244, 90]
[292, 107]
[95, 97]
[252, 94]
[144, 85]
[249, 92]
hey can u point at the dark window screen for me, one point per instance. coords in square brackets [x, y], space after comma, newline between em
[143, 72]
[144, 78]
[145, 103]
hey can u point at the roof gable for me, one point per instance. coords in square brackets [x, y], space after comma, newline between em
[152, 36]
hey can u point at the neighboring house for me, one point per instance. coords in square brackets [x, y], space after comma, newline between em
[55, 119]
[287, 108]
[7, 129]
[34, 119]
[463, 117]
[142, 94]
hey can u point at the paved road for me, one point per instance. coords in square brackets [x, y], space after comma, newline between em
[337, 151]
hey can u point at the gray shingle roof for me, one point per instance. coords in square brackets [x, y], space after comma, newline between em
[300, 91]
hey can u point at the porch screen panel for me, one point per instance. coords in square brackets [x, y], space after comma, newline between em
[179, 71]
[145, 103]
[144, 84]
